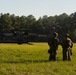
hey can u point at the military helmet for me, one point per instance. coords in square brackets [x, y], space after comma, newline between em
[55, 34]
[67, 35]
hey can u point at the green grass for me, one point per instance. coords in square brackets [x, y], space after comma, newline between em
[32, 59]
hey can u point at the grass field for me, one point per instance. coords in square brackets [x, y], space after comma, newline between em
[32, 59]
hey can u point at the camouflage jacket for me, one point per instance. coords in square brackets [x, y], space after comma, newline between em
[67, 43]
[53, 43]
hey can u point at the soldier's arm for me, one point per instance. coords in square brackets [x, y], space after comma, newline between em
[58, 41]
[71, 44]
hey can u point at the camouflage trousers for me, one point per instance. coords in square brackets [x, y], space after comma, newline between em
[67, 52]
[52, 55]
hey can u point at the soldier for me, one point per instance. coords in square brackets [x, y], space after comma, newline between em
[53, 43]
[67, 45]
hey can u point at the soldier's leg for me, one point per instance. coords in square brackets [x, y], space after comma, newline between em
[69, 55]
[64, 55]
[50, 57]
[54, 55]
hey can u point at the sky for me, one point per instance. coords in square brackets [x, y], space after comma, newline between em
[37, 8]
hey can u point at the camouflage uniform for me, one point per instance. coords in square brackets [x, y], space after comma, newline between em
[53, 43]
[67, 45]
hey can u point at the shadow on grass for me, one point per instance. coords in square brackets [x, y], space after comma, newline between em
[28, 61]
[30, 43]
[25, 61]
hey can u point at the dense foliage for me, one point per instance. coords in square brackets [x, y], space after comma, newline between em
[44, 25]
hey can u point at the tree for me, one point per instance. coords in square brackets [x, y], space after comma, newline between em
[30, 20]
[38, 27]
[5, 21]
[15, 21]
[23, 22]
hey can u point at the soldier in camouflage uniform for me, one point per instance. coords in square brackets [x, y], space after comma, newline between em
[67, 45]
[53, 43]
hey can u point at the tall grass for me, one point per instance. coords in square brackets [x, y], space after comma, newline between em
[32, 59]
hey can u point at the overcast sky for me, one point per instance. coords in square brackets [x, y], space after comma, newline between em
[37, 8]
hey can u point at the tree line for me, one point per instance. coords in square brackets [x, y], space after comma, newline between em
[45, 25]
